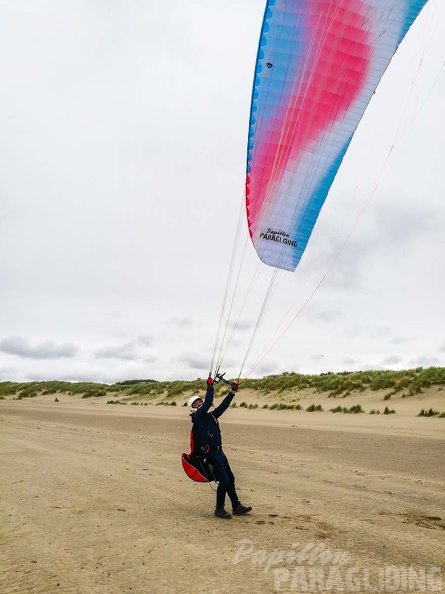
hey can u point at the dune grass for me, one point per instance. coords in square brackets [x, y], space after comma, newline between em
[389, 411]
[335, 385]
[314, 408]
[345, 410]
[283, 406]
[430, 413]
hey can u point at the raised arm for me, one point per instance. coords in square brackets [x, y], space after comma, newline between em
[221, 408]
[208, 401]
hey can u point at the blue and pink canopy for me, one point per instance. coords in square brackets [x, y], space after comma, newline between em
[318, 65]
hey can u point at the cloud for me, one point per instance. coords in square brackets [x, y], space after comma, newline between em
[372, 367]
[113, 315]
[398, 340]
[350, 361]
[267, 368]
[371, 332]
[399, 222]
[245, 325]
[394, 226]
[7, 372]
[144, 340]
[325, 315]
[150, 359]
[392, 360]
[21, 347]
[91, 371]
[127, 351]
[424, 361]
[73, 375]
[123, 351]
[181, 322]
[195, 362]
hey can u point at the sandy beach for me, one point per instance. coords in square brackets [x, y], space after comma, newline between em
[94, 500]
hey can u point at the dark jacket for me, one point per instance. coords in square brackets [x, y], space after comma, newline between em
[206, 422]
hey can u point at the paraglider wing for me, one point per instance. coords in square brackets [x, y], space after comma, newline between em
[318, 65]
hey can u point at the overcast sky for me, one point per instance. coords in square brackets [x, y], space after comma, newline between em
[123, 132]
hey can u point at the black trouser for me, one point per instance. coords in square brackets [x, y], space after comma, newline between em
[226, 480]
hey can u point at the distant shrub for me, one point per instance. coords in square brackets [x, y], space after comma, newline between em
[374, 412]
[338, 409]
[94, 393]
[416, 388]
[9, 388]
[314, 408]
[428, 413]
[352, 410]
[356, 409]
[387, 397]
[143, 389]
[56, 386]
[283, 406]
[26, 394]
[178, 388]
[442, 415]
[382, 380]
[388, 411]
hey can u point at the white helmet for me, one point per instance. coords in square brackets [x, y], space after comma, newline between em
[191, 401]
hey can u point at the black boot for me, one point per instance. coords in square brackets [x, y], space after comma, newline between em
[240, 509]
[220, 512]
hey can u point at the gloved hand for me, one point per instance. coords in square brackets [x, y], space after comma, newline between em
[234, 386]
[210, 381]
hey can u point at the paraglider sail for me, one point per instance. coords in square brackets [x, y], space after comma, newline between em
[318, 65]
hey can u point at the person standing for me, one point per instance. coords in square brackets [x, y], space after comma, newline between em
[210, 441]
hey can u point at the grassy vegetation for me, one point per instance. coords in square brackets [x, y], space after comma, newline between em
[345, 410]
[431, 413]
[335, 385]
[314, 408]
[282, 406]
[413, 381]
[388, 411]
[245, 405]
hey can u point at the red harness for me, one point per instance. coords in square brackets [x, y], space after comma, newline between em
[196, 466]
